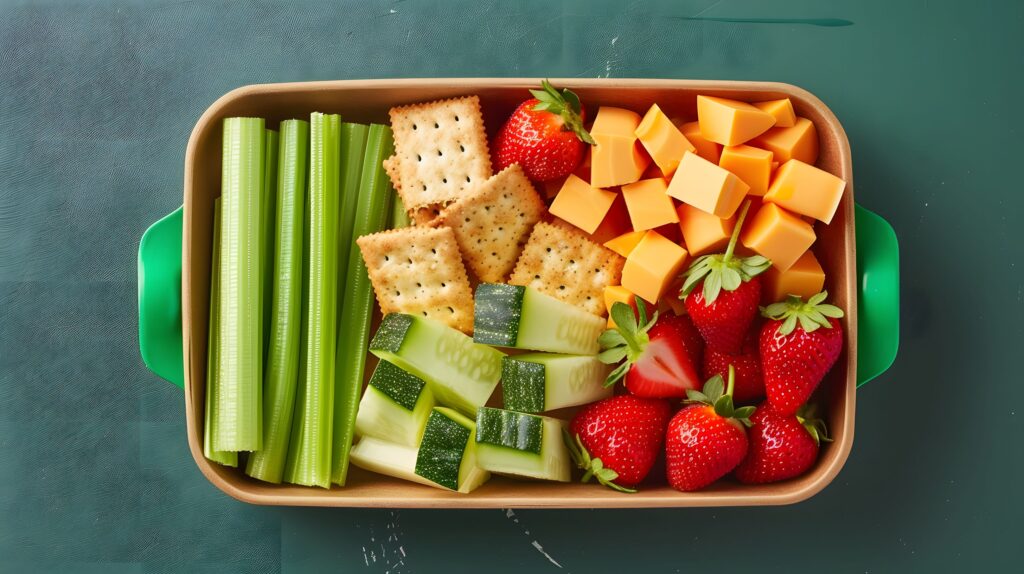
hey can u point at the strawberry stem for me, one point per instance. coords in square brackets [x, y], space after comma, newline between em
[736, 232]
[732, 381]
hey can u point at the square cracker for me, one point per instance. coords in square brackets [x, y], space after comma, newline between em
[440, 148]
[420, 215]
[492, 222]
[418, 270]
[567, 265]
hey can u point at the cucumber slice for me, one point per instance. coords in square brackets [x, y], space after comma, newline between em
[391, 459]
[461, 373]
[395, 406]
[538, 382]
[524, 318]
[448, 452]
[521, 444]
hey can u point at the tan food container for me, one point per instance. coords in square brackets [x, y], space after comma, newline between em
[369, 101]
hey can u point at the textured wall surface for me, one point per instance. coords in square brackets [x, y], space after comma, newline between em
[97, 99]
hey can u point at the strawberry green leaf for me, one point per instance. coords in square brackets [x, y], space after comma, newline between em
[592, 467]
[565, 104]
[572, 99]
[744, 412]
[617, 375]
[788, 325]
[611, 338]
[612, 355]
[830, 311]
[693, 396]
[807, 324]
[731, 279]
[811, 315]
[714, 388]
[723, 406]
[723, 271]
[624, 319]
[641, 311]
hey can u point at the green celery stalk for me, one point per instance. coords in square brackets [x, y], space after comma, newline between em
[227, 458]
[239, 420]
[282, 365]
[267, 229]
[353, 147]
[399, 215]
[311, 447]
[290, 468]
[372, 214]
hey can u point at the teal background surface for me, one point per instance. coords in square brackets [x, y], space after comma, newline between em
[97, 99]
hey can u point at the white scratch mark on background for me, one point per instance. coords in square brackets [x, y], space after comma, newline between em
[509, 513]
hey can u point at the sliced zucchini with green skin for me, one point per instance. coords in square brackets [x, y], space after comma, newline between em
[524, 318]
[388, 458]
[448, 452]
[538, 382]
[461, 373]
[395, 406]
[521, 444]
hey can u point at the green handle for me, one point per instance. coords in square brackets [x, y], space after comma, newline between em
[160, 340]
[878, 295]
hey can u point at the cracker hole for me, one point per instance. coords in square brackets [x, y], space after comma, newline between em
[424, 188]
[386, 258]
[434, 251]
[415, 127]
[419, 284]
[468, 179]
[561, 287]
[536, 276]
[462, 148]
[467, 220]
[436, 126]
[409, 261]
[443, 284]
[418, 157]
[450, 310]
[549, 250]
[456, 118]
[424, 313]
[444, 180]
[572, 262]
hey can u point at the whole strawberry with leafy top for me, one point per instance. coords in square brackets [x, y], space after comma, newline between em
[544, 135]
[799, 344]
[656, 357]
[707, 439]
[617, 440]
[781, 446]
[725, 305]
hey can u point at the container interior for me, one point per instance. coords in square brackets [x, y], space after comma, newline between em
[368, 101]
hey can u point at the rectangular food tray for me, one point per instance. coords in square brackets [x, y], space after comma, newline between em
[369, 101]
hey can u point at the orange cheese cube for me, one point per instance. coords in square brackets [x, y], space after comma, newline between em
[706, 186]
[648, 204]
[581, 204]
[797, 142]
[619, 294]
[752, 165]
[781, 110]
[702, 232]
[706, 149]
[662, 140]
[778, 235]
[625, 243]
[804, 279]
[615, 223]
[806, 190]
[617, 158]
[731, 122]
[652, 266]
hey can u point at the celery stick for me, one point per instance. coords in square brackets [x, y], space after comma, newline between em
[282, 365]
[267, 229]
[227, 458]
[399, 216]
[353, 146]
[311, 447]
[290, 468]
[372, 213]
[239, 420]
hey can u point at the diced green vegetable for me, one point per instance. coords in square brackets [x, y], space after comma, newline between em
[267, 230]
[311, 445]
[538, 382]
[524, 318]
[239, 419]
[227, 458]
[521, 444]
[447, 453]
[462, 374]
[282, 365]
[395, 406]
[372, 210]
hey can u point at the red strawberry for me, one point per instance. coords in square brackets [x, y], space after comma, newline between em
[726, 304]
[799, 344]
[544, 135]
[688, 334]
[781, 446]
[658, 361]
[706, 440]
[749, 382]
[617, 440]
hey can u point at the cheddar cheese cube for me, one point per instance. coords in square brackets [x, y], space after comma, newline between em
[615, 223]
[778, 235]
[706, 149]
[648, 204]
[652, 266]
[662, 140]
[797, 142]
[581, 204]
[617, 158]
[730, 122]
[781, 110]
[806, 190]
[625, 243]
[750, 164]
[707, 186]
[617, 294]
[702, 232]
[804, 279]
